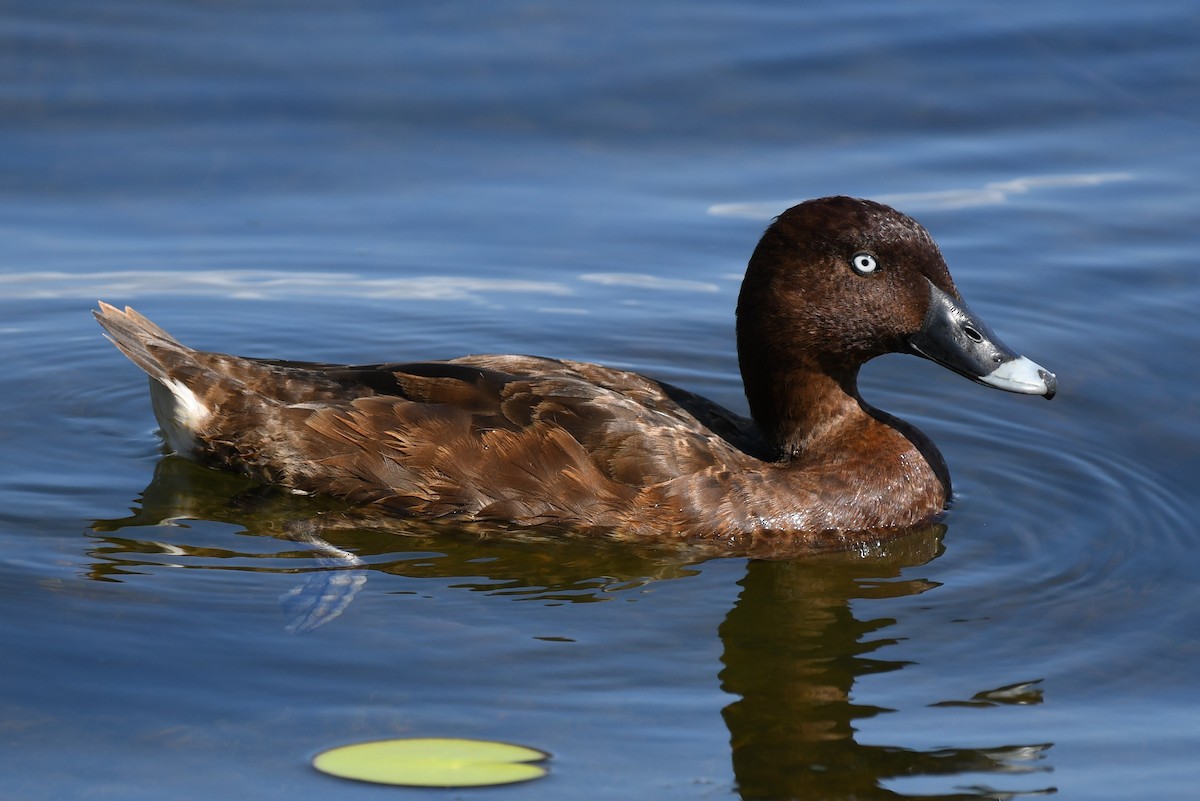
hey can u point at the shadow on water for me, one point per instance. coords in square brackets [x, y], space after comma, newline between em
[793, 647]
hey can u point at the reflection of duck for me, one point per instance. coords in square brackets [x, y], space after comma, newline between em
[833, 283]
[341, 546]
[793, 651]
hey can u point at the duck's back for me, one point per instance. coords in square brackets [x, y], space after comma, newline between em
[514, 438]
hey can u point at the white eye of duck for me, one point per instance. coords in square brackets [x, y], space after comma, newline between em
[864, 263]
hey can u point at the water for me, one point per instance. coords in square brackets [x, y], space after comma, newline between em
[367, 181]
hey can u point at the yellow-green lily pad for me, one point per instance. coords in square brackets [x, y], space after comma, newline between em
[433, 762]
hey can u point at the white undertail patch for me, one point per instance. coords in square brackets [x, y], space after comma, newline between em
[180, 414]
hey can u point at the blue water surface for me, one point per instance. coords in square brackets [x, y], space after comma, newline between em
[365, 181]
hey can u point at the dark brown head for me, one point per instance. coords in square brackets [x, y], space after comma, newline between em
[840, 281]
[837, 281]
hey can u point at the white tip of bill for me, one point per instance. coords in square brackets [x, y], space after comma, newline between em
[1024, 376]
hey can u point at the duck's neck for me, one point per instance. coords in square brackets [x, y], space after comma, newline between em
[810, 413]
[798, 409]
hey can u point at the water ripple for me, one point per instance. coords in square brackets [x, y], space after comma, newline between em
[262, 284]
[990, 194]
[1057, 532]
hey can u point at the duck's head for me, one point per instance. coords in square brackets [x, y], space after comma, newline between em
[837, 281]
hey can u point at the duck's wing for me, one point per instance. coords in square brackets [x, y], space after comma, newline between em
[686, 409]
[543, 416]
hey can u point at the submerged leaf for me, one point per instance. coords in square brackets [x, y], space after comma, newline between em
[433, 762]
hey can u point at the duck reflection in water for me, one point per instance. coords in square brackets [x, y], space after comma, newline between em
[792, 646]
[792, 652]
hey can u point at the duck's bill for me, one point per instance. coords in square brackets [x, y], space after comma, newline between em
[955, 338]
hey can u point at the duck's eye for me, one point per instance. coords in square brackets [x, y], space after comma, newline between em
[864, 263]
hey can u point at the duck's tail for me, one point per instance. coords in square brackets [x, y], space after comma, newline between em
[146, 345]
[172, 366]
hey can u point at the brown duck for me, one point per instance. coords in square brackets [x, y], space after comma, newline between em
[533, 441]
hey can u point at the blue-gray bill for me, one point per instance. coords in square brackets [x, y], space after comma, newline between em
[955, 338]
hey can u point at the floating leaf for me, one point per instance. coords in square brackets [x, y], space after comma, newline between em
[433, 762]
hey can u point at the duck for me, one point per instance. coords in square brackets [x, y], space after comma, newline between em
[527, 441]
